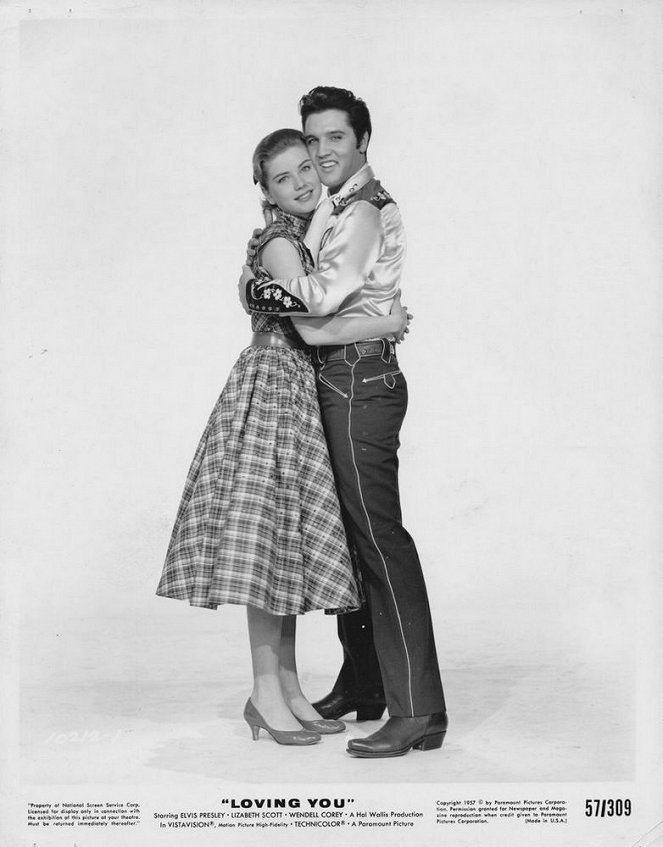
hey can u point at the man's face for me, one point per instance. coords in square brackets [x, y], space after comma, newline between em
[333, 148]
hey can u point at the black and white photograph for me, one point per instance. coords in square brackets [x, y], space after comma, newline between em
[331, 423]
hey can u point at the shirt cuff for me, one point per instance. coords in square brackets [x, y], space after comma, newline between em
[271, 297]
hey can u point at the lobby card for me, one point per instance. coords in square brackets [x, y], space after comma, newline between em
[521, 142]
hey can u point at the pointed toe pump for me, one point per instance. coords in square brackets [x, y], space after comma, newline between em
[296, 737]
[323, 726]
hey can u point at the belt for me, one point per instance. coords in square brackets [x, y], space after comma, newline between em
[360, 348]
[273, 339]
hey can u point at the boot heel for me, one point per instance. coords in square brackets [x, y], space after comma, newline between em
[430, 742]
[370, 713]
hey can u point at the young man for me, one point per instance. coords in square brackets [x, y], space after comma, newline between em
[389, 648]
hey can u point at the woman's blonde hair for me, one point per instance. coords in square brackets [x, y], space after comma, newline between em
[270, 146]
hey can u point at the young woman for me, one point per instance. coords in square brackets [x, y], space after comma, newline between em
[259, 522]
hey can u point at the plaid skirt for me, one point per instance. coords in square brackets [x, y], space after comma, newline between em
[259, 522]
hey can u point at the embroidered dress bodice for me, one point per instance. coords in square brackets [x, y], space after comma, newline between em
[291, 228]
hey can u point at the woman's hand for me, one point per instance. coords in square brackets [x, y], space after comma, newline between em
[252, 246]
[401, 317]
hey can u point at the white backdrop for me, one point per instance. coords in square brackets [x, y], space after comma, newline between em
[521, 141]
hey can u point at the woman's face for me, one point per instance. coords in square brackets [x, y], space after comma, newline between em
[292, 182]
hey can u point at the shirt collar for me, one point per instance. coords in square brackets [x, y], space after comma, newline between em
[357, 181]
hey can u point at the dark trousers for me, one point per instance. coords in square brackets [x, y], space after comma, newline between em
[389, 646]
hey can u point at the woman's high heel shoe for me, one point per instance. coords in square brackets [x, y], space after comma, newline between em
[323, 726]
[256, 722]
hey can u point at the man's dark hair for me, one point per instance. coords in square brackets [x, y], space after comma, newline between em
[324, 97]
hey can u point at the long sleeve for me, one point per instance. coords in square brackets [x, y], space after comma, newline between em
[350, 253]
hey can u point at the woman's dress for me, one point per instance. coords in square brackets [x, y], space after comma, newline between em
[259, 521]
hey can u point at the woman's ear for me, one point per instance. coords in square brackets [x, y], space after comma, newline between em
[264, 195]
